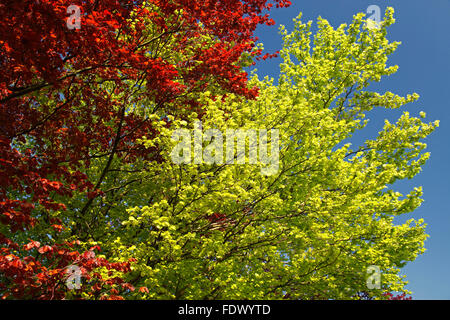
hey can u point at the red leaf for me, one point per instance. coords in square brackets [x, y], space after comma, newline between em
[31, 245]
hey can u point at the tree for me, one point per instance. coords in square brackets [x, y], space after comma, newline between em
[308, 229]
[71, 97]
[88, 175]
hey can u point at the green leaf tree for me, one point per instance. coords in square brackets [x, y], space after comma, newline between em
[306, 227]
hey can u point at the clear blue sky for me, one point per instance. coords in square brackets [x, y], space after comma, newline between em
[423, 27]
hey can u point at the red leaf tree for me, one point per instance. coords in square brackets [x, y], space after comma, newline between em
[62, 103]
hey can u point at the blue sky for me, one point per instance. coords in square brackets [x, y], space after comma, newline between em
[423, 58]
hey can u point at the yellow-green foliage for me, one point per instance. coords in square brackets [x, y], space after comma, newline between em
[309, 230]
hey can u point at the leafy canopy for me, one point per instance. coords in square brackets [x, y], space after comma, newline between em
[311, 229]
[104, 178]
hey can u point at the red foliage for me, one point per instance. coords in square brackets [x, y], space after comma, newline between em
[402, 296]
[54, 111]
[31, 278]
